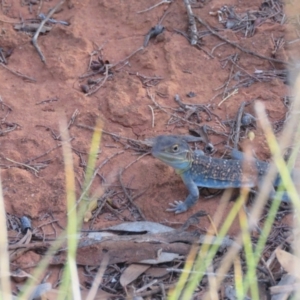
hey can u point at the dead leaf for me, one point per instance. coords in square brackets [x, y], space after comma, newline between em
[157, 272]
[289, 262]
[284, 288]
[132, 272]
[162, 258]
[101, 295]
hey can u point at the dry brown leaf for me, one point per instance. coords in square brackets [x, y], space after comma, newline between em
[157, 272]
[101, 295]
[132, 272]
[289, 262]
[162, 257]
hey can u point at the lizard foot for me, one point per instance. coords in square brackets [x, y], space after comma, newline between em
[178, 207]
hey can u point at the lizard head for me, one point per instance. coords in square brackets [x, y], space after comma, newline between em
[173, 151]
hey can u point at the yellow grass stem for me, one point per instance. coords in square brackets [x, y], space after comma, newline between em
[70, 276]
[5, 287]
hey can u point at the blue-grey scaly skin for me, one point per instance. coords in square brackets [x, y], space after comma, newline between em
[199, 170]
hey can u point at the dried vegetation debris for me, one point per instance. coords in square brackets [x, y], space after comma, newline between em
[247, 22]
[148, 261]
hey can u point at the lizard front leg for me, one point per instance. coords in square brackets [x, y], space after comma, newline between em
[179, 206]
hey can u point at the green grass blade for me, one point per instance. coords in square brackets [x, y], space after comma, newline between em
[207, 253]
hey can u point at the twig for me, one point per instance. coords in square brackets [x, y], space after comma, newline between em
[101, 84]
[18, 73]
[113, 134]
[36, 35]
[95, 52]
[99, 277]
[152, 112]
[23, 165]
[168, 113]
[93, 177]
[129, 56]
[240, 47]
[47, 152]
[47, 100]
[155, 5]
[72, 120]
[228, 96]
[238, 124]
[55, 137]
[205, 51]
[103, 202]
[215, 47]
[255, 78]
[129, 197]
[136, 160]
[235, 57]
[192, 23]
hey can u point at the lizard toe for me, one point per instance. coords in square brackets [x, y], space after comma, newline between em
[178, 207]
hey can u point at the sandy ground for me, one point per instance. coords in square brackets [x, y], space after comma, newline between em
[122, 102]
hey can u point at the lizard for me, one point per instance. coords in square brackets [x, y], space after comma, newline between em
[199, 170]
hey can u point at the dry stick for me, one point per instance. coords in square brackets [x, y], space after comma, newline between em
[136, 160]
[113, 134]
[98, 50]
[153, 118]
[205, 51]
[18, 73]
[215, 47]
[24, 165]
[269, 272]
[72, 120]
[234, 92]
[95, 174]
[255, 78]
[238, 124]
[129, 56]
[240, 47]
[55, 137]
[155, 5]
[229, 78]
[101, 84]
[47, 100]
[129, 197]
[36, 35]
[168, 113]
[47, 152]
[192, 23]
[104, 198]
[99, 277]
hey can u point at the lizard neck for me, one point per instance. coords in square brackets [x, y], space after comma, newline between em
[186, 165]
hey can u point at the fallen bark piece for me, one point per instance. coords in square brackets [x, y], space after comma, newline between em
[163, 257]
[142, 226]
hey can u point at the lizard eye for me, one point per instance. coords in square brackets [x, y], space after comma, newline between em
[175, 148]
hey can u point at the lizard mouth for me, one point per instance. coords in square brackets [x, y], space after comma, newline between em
[175, 160]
